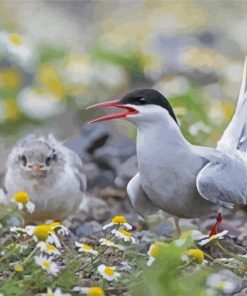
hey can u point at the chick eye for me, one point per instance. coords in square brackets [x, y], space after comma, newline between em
[24, 160]
[48, 161]
[143, 101]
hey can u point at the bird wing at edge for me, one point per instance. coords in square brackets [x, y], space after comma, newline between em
[223, 180]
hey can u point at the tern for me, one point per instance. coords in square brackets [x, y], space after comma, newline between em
[184, 180]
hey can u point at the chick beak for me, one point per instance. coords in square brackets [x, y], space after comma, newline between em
[114, 104]
[36, 169]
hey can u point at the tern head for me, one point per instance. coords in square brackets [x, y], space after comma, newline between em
[145, 105]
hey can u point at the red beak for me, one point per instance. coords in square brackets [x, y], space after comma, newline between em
[114, 104]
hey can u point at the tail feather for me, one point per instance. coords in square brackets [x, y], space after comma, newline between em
[236, 131]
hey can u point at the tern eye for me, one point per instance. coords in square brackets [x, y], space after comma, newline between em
[143, 101]
[24, 160]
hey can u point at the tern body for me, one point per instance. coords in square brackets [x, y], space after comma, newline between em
[169, 177]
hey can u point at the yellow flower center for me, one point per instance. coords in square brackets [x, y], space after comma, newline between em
[118, 220]
[86, 247]
[21, 197]
[95, 291]
[126, 233]
[46, 265]
[15, 39]
[154, 250]
[18, 268]
[50, 294]
[55, 224]
[42, 231]
[220, 285]
[50, 247]
[109, 271]
[196, 254]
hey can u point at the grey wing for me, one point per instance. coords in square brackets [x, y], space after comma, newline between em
[223, 182]
[78, 167]
[139, 198]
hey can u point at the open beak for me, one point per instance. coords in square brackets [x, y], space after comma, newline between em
[114, 104]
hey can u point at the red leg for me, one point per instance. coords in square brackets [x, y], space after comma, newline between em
[214, 229]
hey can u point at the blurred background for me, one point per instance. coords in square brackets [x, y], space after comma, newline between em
[58, 57]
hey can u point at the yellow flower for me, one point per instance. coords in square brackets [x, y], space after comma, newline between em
[43, 232]
[22, 199]
[49, 77]
[11, 109]
[119, 221]
[10, 78]
[195, 254]
[18, 268]
[93, 291]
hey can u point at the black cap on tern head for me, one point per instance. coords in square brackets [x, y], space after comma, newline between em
[147, 97]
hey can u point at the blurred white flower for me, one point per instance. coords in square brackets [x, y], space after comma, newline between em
[118, 221]
[85, 248]
[56, 292]
[219, 235]
[108, 243]
[93, 291]
[48, 248]
[195, 128]
[108, 273]
[14, 46]
[173, 87]
[193, 234]
[40, 104]
[220, 282]
[125, 235]
[47, 264]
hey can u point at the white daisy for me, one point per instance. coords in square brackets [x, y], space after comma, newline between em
[43, 232]
[119, 221]
[108, 272]
[213, 237]
[125, 235]
[56, 292]
[220, 282]
[93, 291]
[22, 200]
[108, 243]
[48, 248]
[85, 248]
[47, 264]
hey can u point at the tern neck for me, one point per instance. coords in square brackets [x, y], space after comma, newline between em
[160, 134]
